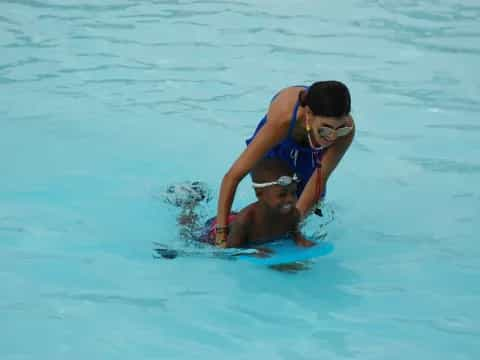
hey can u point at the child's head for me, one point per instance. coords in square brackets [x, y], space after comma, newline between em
[275, 184]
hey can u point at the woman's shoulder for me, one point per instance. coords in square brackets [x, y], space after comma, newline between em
[287, 97]
[281, 107]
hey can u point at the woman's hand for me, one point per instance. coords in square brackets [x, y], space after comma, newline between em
[301, 241]
[221, 239]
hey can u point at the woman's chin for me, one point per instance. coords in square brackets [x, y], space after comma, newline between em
[321, 142]
[325, 143]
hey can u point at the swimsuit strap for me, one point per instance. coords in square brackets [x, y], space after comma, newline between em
[293, 120]
[294, 115]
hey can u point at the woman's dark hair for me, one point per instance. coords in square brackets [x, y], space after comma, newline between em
[327, 98]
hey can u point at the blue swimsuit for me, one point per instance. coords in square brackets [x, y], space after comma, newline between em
[301, 159]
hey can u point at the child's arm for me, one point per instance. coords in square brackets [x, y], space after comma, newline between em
[238, 231]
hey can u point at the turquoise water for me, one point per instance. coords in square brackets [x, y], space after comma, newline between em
[103, 104]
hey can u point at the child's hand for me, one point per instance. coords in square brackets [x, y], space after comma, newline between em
[300, 240]
[263, 252]
[304, 242]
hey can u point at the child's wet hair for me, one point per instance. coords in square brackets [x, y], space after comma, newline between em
[327, 98]
[270, 169]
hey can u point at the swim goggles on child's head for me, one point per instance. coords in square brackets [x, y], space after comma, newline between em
[282, 181]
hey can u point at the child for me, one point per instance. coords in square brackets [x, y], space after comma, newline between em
[271, 217]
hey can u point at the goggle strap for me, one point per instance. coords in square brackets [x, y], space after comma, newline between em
[293, 178]
[263, 185]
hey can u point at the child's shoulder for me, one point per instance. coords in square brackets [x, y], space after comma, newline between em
[246, 216]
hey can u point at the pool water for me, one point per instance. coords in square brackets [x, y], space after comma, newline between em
[105, 104]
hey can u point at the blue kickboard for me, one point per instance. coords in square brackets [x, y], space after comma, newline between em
[287, 252]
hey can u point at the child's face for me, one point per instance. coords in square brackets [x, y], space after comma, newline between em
[280, 199]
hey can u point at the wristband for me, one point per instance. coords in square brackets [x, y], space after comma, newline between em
[221, 229]
[220, 242]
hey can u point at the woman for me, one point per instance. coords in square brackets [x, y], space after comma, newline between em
[311, 128]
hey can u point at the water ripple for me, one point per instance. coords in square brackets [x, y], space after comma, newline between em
[445, 166]
[457, 127]
[259, 14]
[104, 25]
[28, 42]
[213, 68]
[123, 41]
[3, 19]
[97, 54]
[303, 51]
[416, 35]
[16, 229]
[409, 89]
[388, 25]
[193, 23]
[456, 325]
[194, 81]
[36, 78]
[15, 31]
[27, 61]
[109, 39]
[82, 7]
[185, 44]
[452, 13]
[443, 48]
[142, 302]
[224, 2]
[390, 137]
[172, 13]
[62, 18]
[450, 325]
[102, 68]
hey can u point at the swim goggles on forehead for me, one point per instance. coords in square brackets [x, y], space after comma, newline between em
[282, 181]
[326, 132]
[342, 131]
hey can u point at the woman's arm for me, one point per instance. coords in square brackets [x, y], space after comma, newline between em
[274, 131]
[267, 137]
[296, 233]
[331, 158]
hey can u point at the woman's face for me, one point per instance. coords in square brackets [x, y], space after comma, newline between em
[324, 130]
